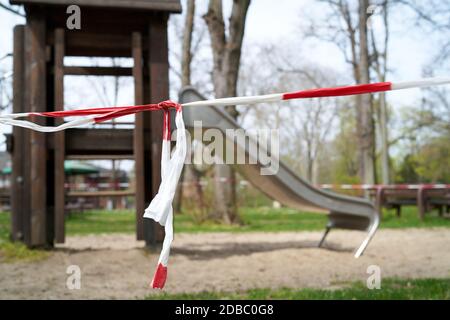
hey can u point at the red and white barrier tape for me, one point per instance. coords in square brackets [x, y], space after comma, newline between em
[385, 186]
[160, 209]
[96, 115]
[86, 116]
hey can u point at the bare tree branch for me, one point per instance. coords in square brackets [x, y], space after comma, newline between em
[186, 54]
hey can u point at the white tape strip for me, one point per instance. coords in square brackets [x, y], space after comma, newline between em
[236, 100]
[427, 82]
[36, 127]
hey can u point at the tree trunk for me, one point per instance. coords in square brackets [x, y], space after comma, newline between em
[385, 169]
[226, 61]
[364, 110]
[186, 59]
[309, 162]
[186, 54]
[381, 70]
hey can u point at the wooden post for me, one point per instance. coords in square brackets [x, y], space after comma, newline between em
[149, 225]
[138, 135]
[421, 202]
[59, 138]
[159, 91]
[379, 201]
[36, 62]
[19, 201]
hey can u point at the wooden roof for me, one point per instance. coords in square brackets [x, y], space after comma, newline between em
[145, 5]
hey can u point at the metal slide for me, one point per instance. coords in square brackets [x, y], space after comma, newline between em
[285, 186]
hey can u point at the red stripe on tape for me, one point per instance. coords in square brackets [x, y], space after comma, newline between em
[166, 125]
[159, 279]
[339, 91]
[109, 113]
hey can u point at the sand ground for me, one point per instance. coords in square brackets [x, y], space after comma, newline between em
[117, 266]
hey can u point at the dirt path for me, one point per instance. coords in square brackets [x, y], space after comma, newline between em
[116, 266]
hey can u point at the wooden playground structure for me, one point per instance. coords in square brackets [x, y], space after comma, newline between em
[114, 28]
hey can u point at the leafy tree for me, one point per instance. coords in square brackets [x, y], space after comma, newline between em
[431, 163]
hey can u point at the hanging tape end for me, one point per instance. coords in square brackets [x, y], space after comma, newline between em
[160, 276]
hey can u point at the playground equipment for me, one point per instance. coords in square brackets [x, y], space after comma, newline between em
[286, 187]
[113, 28]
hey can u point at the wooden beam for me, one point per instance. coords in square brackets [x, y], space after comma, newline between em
[19, 198]
[59, 148]
[97, 71]
[159, 91]
[95, 44]
[138, 134]
[98, 142]
[25, 146]
[36, 61]
[150, 5]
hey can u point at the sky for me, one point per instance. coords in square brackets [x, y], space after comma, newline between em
[268, 22]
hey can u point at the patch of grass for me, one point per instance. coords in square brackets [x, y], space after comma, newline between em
[263, 219]
[254, 219]
[391, 289]
[286, 219]
[101, 221]
[5, 224]
[258, 219]
[410, 219]
[15, 251]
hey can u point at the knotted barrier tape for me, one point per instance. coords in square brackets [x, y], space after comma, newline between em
[160, 208]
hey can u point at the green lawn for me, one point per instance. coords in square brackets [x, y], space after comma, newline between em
[391, 289]
[409, 219]
[254, 219]
[285, 219]
[258, 219]
[101, 221]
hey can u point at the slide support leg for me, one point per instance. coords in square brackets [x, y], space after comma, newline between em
[327, 229]
[372, 229]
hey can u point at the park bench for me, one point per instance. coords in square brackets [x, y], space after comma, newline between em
[424, 197]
